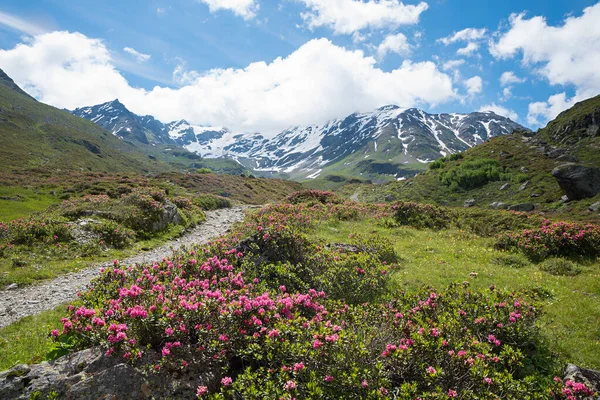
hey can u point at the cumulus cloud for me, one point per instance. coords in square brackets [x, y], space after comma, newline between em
[140, 57]
[468, 50]
[317, 82]
[543, 111]
[397, 43]
[466, 35]
[508, 78]
[452, 64]
[349, 16]
[565, 55]
[474, 85]
[246, 9]
[505, 112]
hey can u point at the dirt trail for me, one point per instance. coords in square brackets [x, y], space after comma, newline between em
[31, 300]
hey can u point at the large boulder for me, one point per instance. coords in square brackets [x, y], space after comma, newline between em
[578, 181]
[170, 215]
[523, 207]
[589, 377]
[90, 375]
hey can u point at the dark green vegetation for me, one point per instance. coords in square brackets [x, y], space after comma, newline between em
[63, 223]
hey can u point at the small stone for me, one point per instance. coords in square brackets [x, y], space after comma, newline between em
[12, 286]
[565, 199]
[595, 207]
[505, 186]
[524, 186]
[498, 205]
[524, 170]
[535, 195]
[469, 203]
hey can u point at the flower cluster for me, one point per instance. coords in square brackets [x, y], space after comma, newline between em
[559, 239]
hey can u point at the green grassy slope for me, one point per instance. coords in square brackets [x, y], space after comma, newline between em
[35, 135]
[525, 159]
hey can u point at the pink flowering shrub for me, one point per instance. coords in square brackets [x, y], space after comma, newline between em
[271, 314]
[554, 239]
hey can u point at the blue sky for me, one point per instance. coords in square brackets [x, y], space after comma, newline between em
[264, 65]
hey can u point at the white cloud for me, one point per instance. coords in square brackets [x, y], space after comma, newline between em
[394, 44]
[349, 16]
[468, 50]
[140, 57]
[20, 25]
[543, 111]
[466, 35]
[565, 55]
[452, 64]
[474, 85]
[505, 112]
[509, 77]
[317, 82]
[246, 9]
[506, 94]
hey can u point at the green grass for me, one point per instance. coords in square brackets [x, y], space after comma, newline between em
[28, 339]
[19, 202]
[40, 265]
[437, 258]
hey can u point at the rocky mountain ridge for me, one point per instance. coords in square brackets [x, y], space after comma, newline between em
[390, 141]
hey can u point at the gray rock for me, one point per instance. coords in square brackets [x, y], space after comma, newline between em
[498, 205]
[469, 203]
[11, 286]
[565, 199]
[578, 181]
[90, 375]
[524, 170]
[505, 186]
[590, 377]
[535, 195]
[595, 207]
[522, 207]
[524, 186]
[170, 215]
[567, 158]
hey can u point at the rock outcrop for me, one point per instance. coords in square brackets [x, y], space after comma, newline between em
[90, 375]
[578, 181]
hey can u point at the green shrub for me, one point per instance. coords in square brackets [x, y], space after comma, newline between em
[420, 215]
[211, 202]
[472, 174]
[511, 260]
[493, 222]
[113, 234]
[204, 171]
[560, 267]
[313, 196]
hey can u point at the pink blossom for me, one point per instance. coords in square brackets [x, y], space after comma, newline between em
[201, 391]
[290, 385]
[227, 381]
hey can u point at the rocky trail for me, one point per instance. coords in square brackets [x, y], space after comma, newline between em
[20, 302]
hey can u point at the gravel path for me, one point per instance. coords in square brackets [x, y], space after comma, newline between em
[31, 300]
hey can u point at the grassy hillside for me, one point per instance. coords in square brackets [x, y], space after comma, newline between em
[511, 169]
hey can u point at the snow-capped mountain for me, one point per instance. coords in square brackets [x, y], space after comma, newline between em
[116, 118]
[388, 141]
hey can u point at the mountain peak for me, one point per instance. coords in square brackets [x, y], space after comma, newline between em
[7, 81]
[388, 107]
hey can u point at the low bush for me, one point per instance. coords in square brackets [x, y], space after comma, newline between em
[511, 260]
[554, 239]
[211, 202]
[560, 267]
[493, 222]
[313, 196]
[472, 174]
[420, 215]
